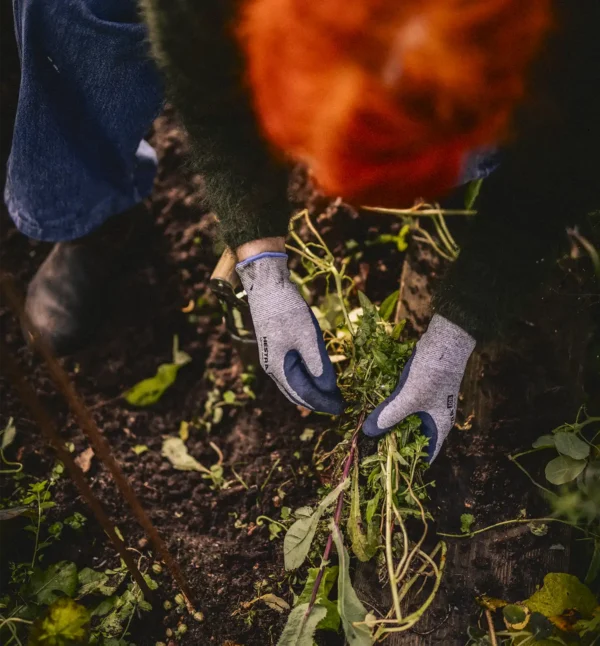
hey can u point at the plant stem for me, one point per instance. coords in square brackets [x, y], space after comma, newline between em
[37, 533]
[516, 521]
[513, 458]
[336, 519]
[492, 630]
[389, 523]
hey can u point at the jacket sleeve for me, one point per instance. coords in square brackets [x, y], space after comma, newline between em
[246, 185]
[547, 180]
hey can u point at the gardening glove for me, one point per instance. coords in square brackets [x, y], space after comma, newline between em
[428, 385]
[291, 347]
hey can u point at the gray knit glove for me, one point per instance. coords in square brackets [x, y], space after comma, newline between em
[291, 347]
[428, 385]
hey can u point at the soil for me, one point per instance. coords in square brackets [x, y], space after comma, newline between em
[518, 390]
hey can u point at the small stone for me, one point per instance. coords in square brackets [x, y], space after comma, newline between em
[142, 543]
[169, 632]
[199, 616]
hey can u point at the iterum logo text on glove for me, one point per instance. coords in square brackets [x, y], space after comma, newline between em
[265, 353]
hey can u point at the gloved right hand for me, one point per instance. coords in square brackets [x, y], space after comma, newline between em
[290, 343]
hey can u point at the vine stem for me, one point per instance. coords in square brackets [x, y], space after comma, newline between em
[336, 519]
[389, 523]
[517, 521]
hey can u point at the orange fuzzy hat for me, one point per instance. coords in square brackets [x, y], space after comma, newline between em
[384, 98]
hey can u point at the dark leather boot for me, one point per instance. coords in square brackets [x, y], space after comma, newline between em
[70, 295]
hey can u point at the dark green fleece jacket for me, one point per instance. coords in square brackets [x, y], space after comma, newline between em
[547, 178]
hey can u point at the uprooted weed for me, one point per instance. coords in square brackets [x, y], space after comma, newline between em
[372, 496]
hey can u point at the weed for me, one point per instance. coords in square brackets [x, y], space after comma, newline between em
[374, 496]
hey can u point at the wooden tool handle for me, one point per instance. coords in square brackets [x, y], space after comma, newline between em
[225, 269]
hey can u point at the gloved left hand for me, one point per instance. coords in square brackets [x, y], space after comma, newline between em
[290, 343]
[428, 386]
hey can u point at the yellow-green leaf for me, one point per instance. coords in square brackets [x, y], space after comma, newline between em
[66, 623]
[562, 592]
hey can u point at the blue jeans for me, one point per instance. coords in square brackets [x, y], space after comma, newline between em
[89, 93]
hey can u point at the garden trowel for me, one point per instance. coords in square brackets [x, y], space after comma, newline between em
[226, 286]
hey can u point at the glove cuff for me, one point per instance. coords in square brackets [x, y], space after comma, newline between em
[264, 254]
[446, 345]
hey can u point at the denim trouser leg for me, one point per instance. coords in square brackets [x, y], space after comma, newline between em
[89, 92]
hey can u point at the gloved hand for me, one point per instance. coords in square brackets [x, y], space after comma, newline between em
[428, 385]
[290, 342]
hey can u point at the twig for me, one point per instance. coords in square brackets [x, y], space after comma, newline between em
[43, 420]
[89, 427]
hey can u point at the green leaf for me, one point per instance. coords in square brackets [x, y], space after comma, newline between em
[299, 536]
[365, 303]
[229, 397]
[388, 307]
[544, 441]
[46, 586]
[472, 193]
[176, 452]
[350, 606]
[299, 631]
[8, 434]
[570, 445]
[373, 506]
[364, 545]
[332, 619]
[514, 615]
[91, 581]
[66, 623]
[562, 592]
[466, 522]
[563, 469]
[149, 391]
[138, 449]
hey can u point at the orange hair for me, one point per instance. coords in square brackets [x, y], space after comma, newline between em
[384, 98]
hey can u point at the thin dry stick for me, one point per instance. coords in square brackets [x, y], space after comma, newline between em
[490, 621]
[43, 420]
[89, 427]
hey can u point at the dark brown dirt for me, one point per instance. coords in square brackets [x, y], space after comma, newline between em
[520, 390]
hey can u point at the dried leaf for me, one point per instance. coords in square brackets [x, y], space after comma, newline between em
[138, 449]
[275, 603]
[177, 454]
[8, 434]
[299, 536]
[84, 459]
[13, 512]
